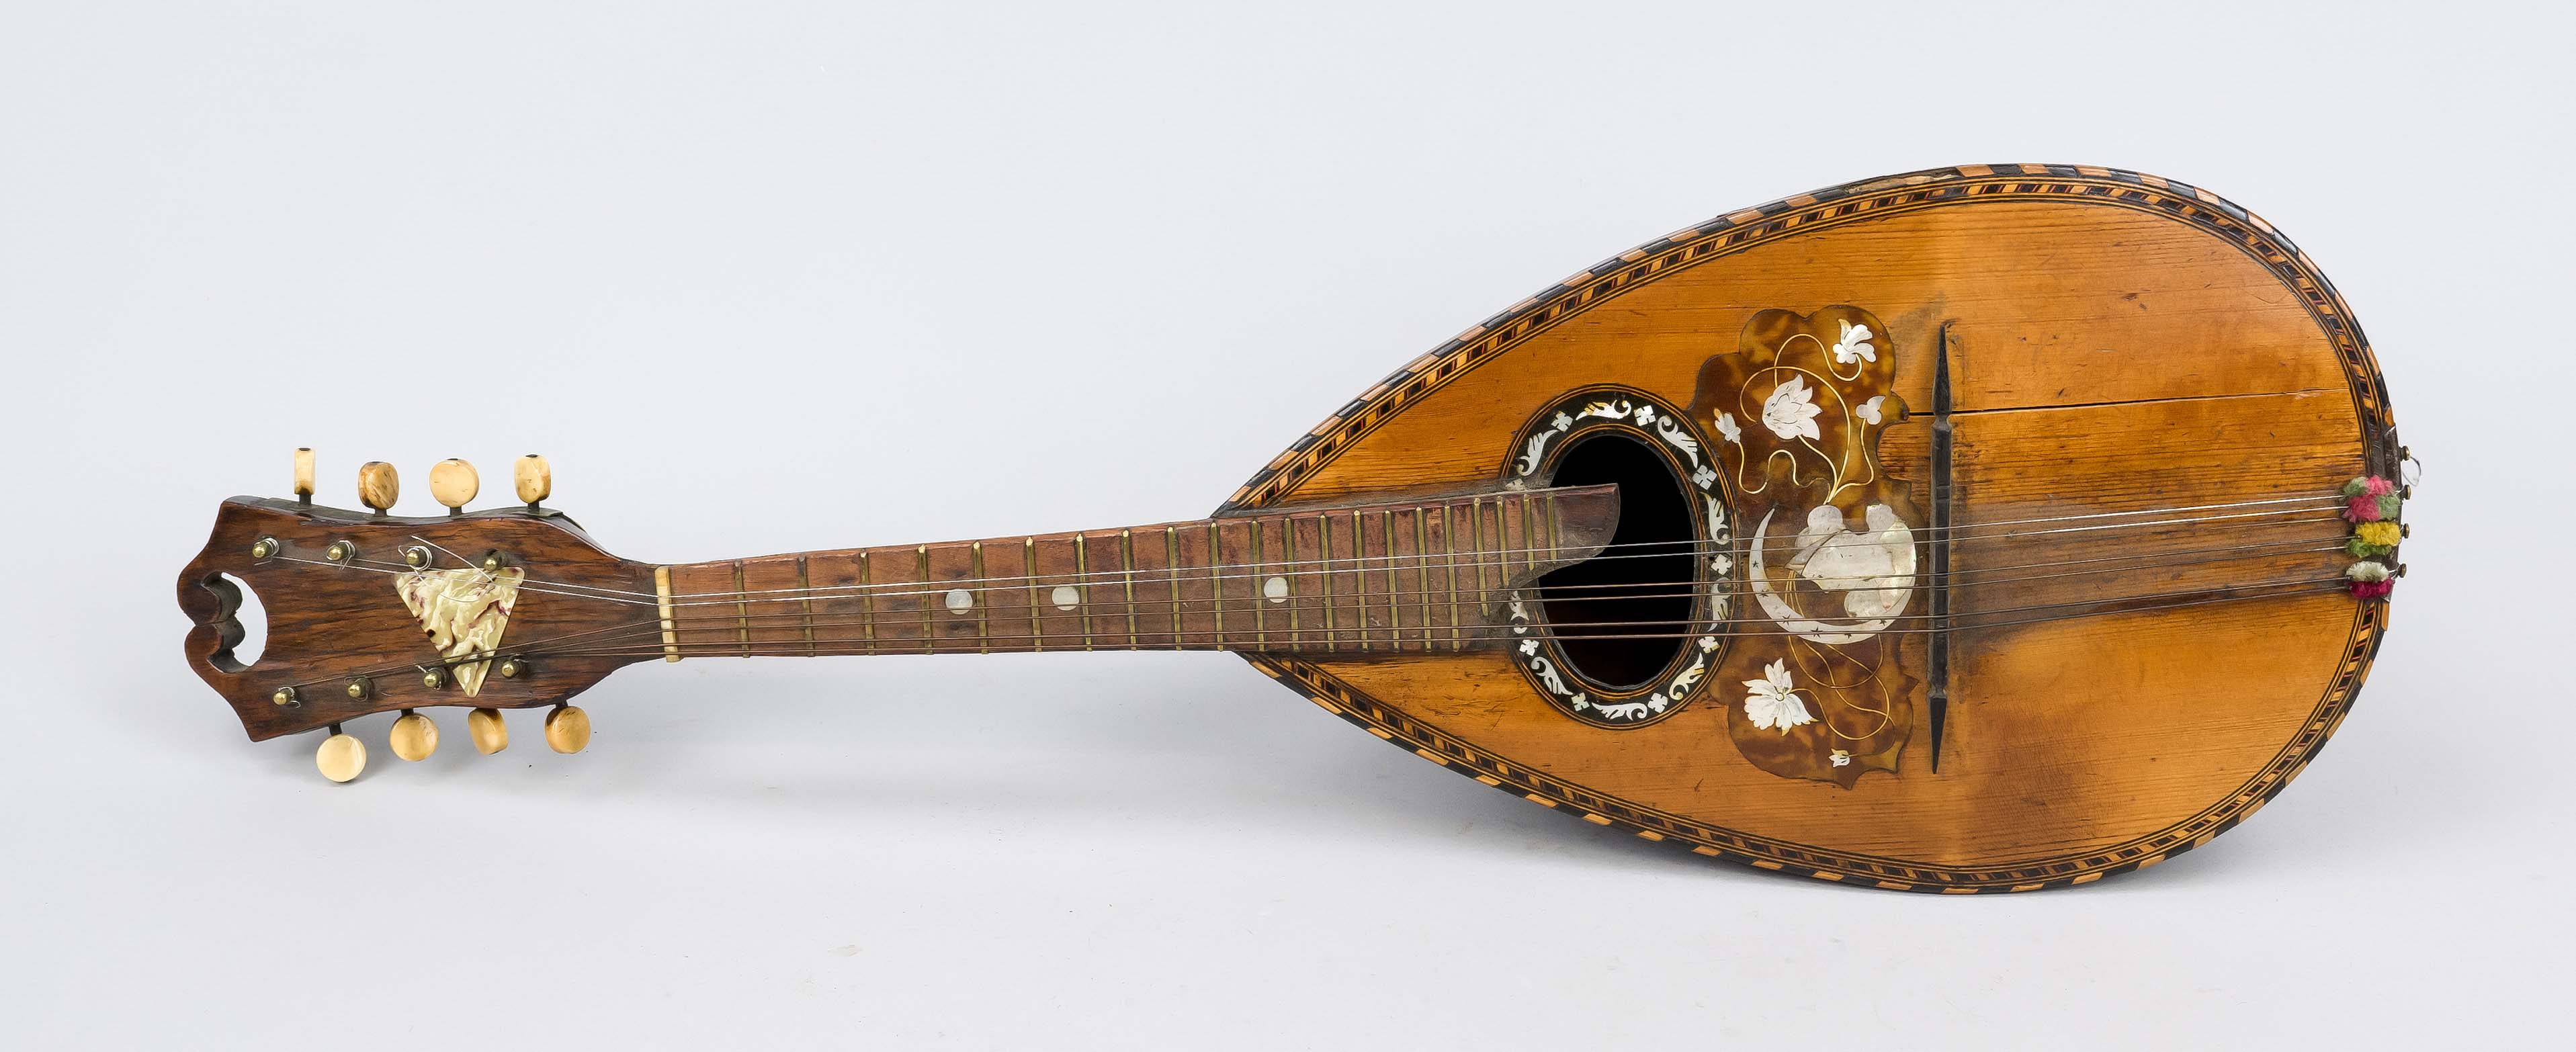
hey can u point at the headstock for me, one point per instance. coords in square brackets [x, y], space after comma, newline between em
[371, 612]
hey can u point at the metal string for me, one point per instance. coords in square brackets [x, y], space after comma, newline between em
[1342, 639]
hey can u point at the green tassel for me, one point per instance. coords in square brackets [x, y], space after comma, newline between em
[2356, 487]
[2388, 505]
[2362, 549]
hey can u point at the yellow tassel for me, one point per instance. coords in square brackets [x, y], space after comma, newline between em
[2378, 534]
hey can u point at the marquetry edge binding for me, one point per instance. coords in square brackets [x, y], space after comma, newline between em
[662, 606]
[1734, 232]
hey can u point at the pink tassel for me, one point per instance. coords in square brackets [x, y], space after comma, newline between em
[2375, 486]
[2371, 589]
[2362, 508]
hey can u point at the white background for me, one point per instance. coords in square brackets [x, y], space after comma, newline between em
[767, 279]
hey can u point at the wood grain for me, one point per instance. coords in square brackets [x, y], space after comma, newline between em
[2108, 358]
[2118, 344]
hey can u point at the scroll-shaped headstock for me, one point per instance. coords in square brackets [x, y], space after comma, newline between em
[369, 612]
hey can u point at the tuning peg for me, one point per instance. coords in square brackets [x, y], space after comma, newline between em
[567, 729]
[454, 483]
[535, 480]
[489, 733]
[414, 737]
[378, 485]
[304, 475]
[341, 757]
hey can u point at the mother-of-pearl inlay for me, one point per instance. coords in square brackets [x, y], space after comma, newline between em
[959, 602]
[1275, 589]
[1066, 597]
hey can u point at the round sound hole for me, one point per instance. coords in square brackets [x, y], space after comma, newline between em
[1622, 617]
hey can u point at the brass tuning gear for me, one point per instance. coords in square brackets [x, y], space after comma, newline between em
[454, 483]
[378, 485]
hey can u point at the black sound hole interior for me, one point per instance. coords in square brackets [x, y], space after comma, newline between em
[1635, 591]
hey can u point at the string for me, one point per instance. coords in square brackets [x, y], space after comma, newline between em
[1117, 608]
[615, 638]
[1366, 561]
[1395, 640]
[1451, 561]
[1368, 601]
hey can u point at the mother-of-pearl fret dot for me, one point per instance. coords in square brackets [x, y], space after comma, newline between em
[959, 602]
[1065, 597]
[1275, 589]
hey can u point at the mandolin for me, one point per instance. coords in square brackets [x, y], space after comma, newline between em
[1979, 529]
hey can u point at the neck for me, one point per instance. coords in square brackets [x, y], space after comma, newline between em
[1389, 578]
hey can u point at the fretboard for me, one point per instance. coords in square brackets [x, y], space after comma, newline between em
[1375, 578]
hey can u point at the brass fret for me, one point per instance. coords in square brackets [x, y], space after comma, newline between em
[1324, 530]
[1172, 566]
[1260, 621]
[1359, 580]
[1502, 556]
[867, 604]
[1449, 558]
[983, 629]
[1529, 553]
[929, 634]
[805, 589]
[1288, 533]
[1082, 585]
[1476, 547]
[742, 608]
[1127, 556]
[1422, 572]
[1216, 582]
[1394, 589]
[1029, 557]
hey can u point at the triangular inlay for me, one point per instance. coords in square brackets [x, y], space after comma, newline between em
[463, 612]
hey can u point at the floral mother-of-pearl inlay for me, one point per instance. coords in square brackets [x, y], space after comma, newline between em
[463, 612]
[1799, 407]
[1656, 424]
[1871, 569]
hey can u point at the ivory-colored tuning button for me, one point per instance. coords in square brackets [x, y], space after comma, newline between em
[341, 757]
[535, 480]
[567, 729]
[304, 474]
[378, 485]
[454, 483]
[414, 737]
[489, 733]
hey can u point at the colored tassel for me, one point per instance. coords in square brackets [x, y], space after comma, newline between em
[2378, 534]
[2366, 485]
[2362, 549]
[2388, 505]
[2362, 508]
[2372, 589]
[2367, 571]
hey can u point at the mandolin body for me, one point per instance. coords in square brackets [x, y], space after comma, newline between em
[1975, 529]
[2099, 344]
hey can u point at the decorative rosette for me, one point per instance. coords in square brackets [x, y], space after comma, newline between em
[2372, 506]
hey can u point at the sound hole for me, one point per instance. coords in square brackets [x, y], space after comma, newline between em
[1641, 584]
